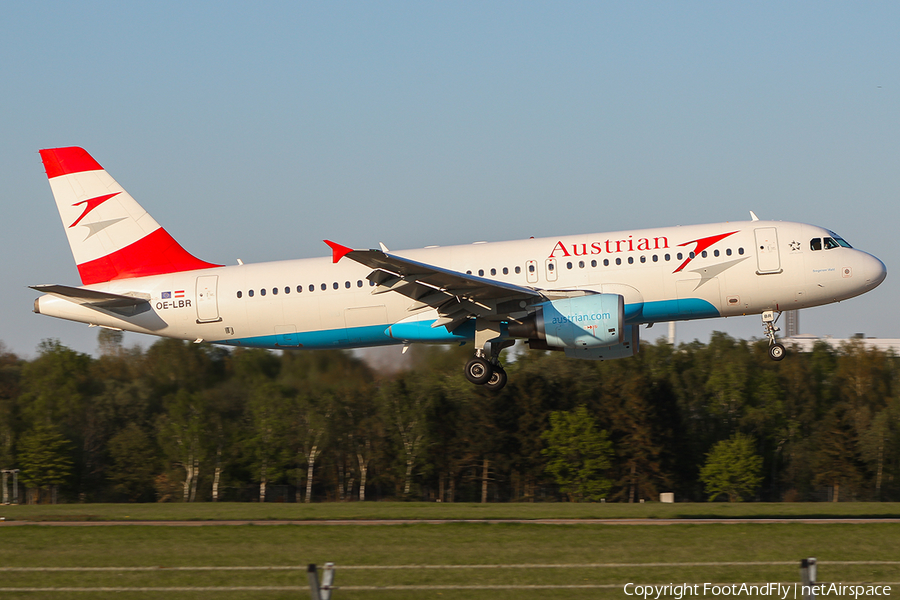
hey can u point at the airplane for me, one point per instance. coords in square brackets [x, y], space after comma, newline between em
[585, 294]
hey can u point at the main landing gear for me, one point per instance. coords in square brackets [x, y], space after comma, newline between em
[485, 368]
[776, 350]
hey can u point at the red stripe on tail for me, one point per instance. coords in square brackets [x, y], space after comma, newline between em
[63, 161]
[155, 254]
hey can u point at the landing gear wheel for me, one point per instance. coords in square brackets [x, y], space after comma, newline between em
[776, 351]
[479, 371]
[498, 379]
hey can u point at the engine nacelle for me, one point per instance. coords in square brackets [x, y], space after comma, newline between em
[580, 323]
[631, 345]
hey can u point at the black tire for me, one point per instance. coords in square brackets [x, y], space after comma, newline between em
[776, 352]
[479, 371]
[497, 381]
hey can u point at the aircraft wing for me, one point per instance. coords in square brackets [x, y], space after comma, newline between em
[455, 295]
[93, 298]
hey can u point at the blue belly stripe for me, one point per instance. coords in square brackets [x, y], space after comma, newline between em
[382, 335]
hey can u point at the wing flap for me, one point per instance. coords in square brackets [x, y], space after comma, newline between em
[456, 296]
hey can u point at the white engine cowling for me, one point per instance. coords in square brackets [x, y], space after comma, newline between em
[580, 323]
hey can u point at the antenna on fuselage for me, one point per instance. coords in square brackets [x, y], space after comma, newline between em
[753, 216]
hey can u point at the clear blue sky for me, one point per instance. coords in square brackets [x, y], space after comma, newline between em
[254, 131]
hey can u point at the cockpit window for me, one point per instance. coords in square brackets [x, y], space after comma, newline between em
[839, 240]
[835, 241]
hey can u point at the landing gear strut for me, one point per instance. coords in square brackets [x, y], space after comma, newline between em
[776, 350]
[485, 369]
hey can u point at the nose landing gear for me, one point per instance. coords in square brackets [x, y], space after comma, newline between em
[776, 350]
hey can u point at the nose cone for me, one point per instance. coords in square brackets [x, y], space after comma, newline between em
[873, 270]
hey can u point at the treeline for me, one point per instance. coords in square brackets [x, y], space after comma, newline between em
[189, 422]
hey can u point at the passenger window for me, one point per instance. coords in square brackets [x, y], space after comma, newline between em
[324, 287]
[605, 262]
[741, 251]
[287, 290]
[704, 254]
[299, 288]
[550, 266]
[493, 271]
[692, 255]
[593, 263]
[518, 270]
[716, 253]
[312, 288]
[630, 260]
[643, 259]
[250, 293]
[580, 264]
[618, 261]
[240, 294]
[481, 272]
[728, 252]
[815, 244]
[371, 283]
[262, 292]
[274, 291]
[359, 283]
[568, 265]
[531, 268]
[655, 258]
[668, 258]
[335, 285]
[679, 256]
[347, 284]
[505, 271]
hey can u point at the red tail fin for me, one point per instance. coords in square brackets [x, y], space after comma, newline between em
[110, 234]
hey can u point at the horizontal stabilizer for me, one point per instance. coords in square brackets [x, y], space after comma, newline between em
[93, 297]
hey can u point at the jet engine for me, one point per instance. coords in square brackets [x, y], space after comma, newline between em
[579, 323]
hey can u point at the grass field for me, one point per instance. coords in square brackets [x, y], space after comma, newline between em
[205, 511]
[358, 550]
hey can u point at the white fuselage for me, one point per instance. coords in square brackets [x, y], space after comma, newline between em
[739, 268]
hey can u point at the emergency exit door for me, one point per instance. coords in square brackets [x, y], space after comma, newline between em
[767, 257]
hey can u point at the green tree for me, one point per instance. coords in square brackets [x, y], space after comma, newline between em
[732, 468]
[134, 463]
[182, 434]
[837, 456]
[10, 372]
[44, 459]
[578, 455]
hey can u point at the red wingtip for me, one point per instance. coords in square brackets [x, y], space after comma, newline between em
[337, 251]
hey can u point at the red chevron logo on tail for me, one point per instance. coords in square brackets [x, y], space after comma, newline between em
[91, 205]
